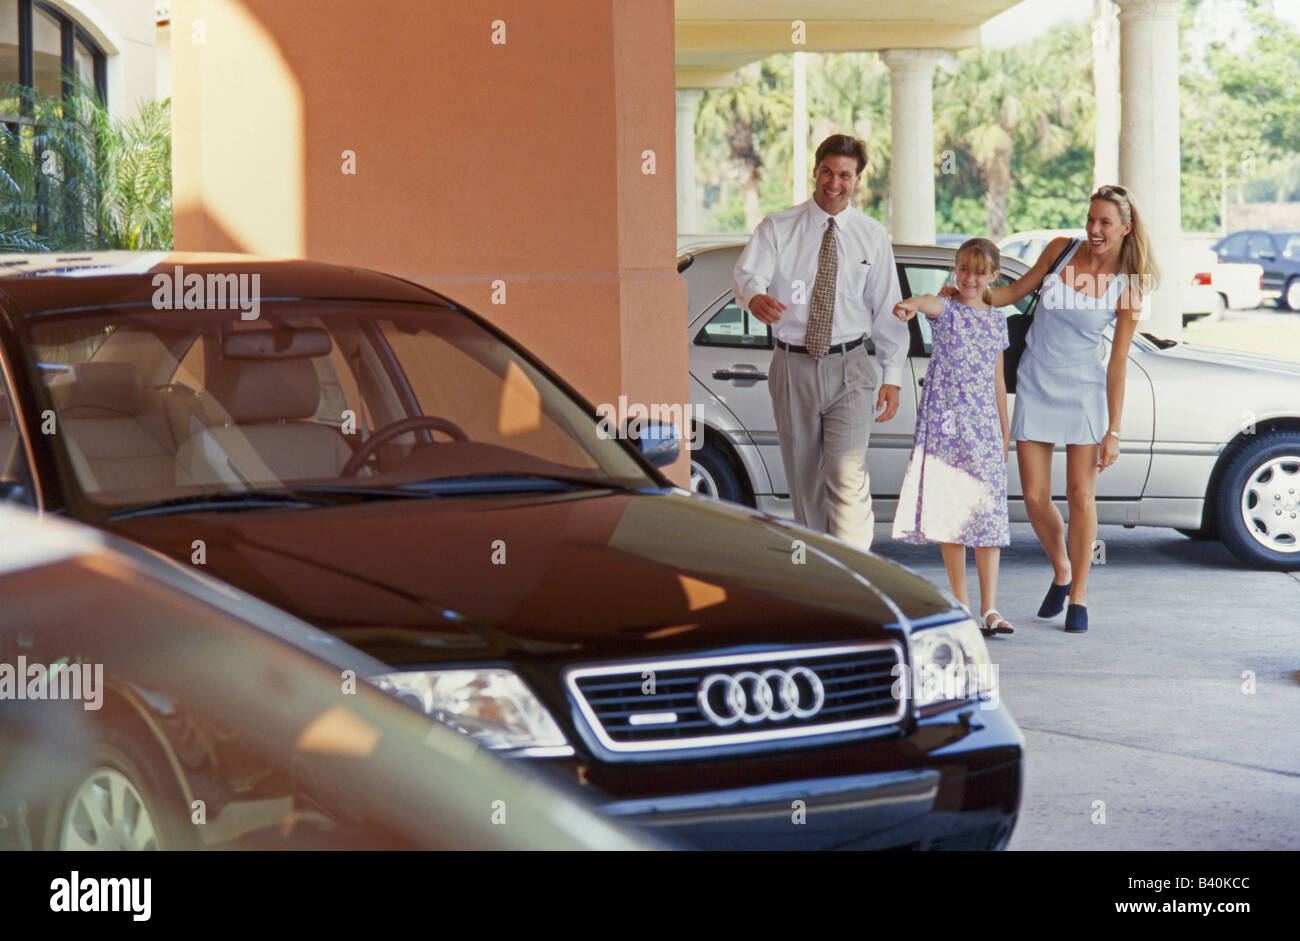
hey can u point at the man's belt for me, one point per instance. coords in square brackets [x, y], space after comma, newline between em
[837, 348]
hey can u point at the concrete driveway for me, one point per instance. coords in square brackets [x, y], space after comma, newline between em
[1148, 713]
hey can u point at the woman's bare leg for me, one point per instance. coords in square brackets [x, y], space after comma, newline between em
[1035, 460]
[1081, 493]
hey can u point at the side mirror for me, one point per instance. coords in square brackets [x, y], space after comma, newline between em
[1267, 256]
[660, 444]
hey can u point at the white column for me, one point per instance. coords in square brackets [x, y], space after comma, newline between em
[911, 177]
[799, 129]
[687, 99]
[1105, 74]
[1148, 159]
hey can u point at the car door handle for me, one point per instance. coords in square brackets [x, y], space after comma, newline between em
[750, 375]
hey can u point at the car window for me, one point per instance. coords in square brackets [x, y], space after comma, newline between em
[1233, 245]
[158, 405]
[928, 279]
[734, 327]
[15, 474]
[1014, 249]
[1257, 246]
[1292, 248]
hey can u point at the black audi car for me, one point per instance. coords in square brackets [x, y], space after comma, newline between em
[382, 463]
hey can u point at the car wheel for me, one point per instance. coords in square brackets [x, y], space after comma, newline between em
[116, 803]
[713, 476]
[1259, 502]
[1291, 296]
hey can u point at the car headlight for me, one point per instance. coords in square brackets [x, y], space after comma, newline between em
[492, 706]
[950, 663]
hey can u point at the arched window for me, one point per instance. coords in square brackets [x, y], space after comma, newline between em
[40, 46]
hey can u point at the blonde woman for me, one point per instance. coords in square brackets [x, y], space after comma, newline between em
[1066, 393]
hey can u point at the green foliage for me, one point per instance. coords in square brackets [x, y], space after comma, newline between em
[72, 179]
[1017, 126]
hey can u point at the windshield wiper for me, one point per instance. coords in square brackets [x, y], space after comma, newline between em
[227, 500]
[262, 499]
[509, 483]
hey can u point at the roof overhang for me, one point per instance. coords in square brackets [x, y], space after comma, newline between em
[716, 37]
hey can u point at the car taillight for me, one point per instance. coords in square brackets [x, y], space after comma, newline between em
[1201, 278]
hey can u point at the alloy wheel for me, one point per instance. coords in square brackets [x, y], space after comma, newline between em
[1270, 504]
[106, 812]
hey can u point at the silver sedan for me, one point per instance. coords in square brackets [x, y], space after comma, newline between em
[1211, 437]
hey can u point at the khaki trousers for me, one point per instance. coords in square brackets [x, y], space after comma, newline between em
[824, 409]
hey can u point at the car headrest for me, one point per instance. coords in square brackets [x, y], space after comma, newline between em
[262, 390]
[108, 389]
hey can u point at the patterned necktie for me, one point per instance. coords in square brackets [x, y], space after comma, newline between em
[817, 338]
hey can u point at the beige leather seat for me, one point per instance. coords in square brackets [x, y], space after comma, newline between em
[267, 439]
[117, 433]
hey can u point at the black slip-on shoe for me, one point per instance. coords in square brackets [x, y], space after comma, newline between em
[1054, 601]
[1076, 618]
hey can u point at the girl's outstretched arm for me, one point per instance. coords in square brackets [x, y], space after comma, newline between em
[927, 304]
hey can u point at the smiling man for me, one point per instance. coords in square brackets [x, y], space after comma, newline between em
[823, 275]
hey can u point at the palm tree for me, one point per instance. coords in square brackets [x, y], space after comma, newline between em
[1035, 96]
[848, 93]
[71, 178]
[751, 118]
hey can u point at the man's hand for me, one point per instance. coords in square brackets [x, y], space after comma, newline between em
[948, 290]
[766, 308]
[888, 399]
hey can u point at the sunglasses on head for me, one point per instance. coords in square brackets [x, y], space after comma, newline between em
[1112, 191]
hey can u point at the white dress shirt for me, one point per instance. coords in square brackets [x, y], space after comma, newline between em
[781, 261]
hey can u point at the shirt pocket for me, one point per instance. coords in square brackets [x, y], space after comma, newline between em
[854, 281]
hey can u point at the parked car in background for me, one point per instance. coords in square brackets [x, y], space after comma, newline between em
[197, 717]
[380, 462]
[1211, 438]
[1238, 284]
[1277, 252]
[1208, 289]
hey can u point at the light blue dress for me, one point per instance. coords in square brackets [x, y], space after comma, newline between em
[1061, 380]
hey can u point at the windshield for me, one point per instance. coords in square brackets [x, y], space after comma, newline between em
[151, 406]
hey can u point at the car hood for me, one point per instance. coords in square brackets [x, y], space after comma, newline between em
[1254, 362]
[585, 573]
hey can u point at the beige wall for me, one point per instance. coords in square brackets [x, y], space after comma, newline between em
[126, 30]
[475, 162]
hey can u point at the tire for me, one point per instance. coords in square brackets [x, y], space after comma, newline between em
[116, 772]
[1264, 476]
[712, 475]
[1291, 295]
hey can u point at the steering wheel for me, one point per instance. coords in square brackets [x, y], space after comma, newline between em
[396, 429]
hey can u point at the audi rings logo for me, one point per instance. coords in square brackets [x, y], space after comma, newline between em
[772, 695]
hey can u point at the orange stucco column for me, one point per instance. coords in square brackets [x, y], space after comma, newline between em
[516, 156]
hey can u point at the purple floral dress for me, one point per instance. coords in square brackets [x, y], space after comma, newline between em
[955, 488]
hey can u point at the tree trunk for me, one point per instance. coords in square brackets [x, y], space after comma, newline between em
[997, 189]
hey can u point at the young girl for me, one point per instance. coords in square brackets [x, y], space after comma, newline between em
[955, 489]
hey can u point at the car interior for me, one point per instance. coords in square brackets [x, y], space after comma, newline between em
[150, 406]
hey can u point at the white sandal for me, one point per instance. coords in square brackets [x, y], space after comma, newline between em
[999, 629]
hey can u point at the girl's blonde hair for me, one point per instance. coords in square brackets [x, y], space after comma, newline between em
[1135, 256]
[988, 255]
[990, 259]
